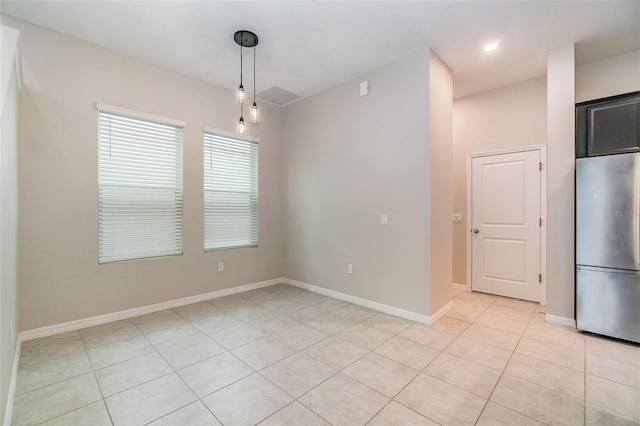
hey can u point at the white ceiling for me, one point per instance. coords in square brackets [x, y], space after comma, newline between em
[308, 46]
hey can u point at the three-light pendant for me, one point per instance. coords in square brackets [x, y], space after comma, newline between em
[244, 39]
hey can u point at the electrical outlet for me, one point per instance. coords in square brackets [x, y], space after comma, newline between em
[220, 266]
[350, 269]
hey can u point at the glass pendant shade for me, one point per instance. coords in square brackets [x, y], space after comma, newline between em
[241, 127]
[255, 113]
[240, 94]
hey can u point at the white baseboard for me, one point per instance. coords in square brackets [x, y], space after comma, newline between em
[459, 286]
[129, 313]
[8, 412]
[387, 309]
[441, 312]
[554, 319]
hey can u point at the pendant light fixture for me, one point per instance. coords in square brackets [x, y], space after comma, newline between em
[246, 39]
[254, 115]
[241, 126]
[240, 94]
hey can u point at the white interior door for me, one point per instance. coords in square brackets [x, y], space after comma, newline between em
[506, 224]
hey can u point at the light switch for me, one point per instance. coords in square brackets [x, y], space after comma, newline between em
[364, 88]
[384, 219]
[456, 217]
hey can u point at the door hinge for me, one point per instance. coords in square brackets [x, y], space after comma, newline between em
[539, 278]
[540, 164]
[541, 222]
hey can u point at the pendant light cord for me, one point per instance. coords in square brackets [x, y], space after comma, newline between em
[241, 43]
[254, 74]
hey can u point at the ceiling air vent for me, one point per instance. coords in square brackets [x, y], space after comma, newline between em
[277, 96]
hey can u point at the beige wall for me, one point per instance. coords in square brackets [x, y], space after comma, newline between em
[441, 134]
[8, 213]
[613, 76]
[515, 116]
[508, 117]
[349, 160]
[561, 156]
[60, 279]
[322, 194]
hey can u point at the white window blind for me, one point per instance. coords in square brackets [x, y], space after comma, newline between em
[139, 187]
[230, 192]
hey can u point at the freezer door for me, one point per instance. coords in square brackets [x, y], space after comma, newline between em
[608, 302]
[607, 211]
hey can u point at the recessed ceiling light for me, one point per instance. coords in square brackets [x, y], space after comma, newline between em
[490, 47]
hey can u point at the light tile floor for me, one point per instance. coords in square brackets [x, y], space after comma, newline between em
[285, 356]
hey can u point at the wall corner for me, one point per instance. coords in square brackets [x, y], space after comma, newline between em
[560, 181]
[441, 180]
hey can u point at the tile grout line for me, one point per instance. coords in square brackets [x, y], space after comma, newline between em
[255, 371]
[422, 372]
[296, 399]
[277, 310]
[370, 351]
[537, 384]
[156, 349]
[95, 377]
[502, 372]
[198, 399]
[92, 371]
[229, 351]
[450, 343]
[441, 351]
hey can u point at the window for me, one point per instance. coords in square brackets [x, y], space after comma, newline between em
[230, 192]
[139, 185]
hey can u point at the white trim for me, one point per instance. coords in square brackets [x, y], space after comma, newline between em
[554, 319]
[387, 309]
[469, 221]
[543, 229]
[459, 286]
[440, 313]
[129, 313]
[137, 114]
[542, 149]
[506, 151]
[228, 134]
[8, 412]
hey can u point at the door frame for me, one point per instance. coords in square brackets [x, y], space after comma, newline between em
[542, 149]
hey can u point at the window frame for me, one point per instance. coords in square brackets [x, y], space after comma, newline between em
[115, 242]
[251, 144]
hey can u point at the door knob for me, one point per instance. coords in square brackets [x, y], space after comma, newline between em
[476, 230]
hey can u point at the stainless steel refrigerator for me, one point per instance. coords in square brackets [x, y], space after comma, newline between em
[608, 245]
